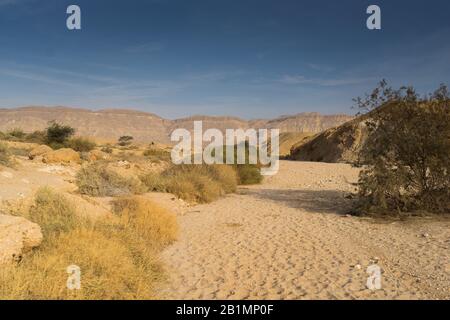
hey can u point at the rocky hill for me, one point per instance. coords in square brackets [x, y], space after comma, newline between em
[337, 144]
[112, 123]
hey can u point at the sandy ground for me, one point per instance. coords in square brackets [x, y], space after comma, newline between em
[290, 238]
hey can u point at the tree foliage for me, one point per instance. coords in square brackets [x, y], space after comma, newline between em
[57, 134]
[407, 154]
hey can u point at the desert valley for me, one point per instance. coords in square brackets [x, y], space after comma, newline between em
[108, 200]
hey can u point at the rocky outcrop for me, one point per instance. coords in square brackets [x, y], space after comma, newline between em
[39, 151]
[64, 155]
[307, 122]
[110, 124]
[340, 144]
[17, 236]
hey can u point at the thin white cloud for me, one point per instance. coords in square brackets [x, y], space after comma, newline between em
[299, 79]
[150, 47]
[33, 77]
[320, 67]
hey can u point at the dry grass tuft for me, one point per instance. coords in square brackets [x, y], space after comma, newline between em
[118, 257]
[52, 212]
[194, 183]
[98, 181]
[5, 155]
[154, 224]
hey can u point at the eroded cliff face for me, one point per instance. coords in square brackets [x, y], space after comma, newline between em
[338, 144]
[112, 123]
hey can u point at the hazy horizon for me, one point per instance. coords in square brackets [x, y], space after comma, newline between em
[181, 116]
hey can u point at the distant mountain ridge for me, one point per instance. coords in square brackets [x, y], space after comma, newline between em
[144, 126]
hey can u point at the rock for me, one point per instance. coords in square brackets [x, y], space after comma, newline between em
[425, 235]
[64, 155]
[95, 155]
[39, 151]
[17, 236]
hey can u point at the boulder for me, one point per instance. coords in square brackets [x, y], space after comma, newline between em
[64, 155]
[17, 236]
[39, 151]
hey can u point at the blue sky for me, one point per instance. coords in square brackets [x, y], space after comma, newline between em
[253, 59]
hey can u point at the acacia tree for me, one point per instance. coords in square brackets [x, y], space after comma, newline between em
[57, 134]
[407, 153]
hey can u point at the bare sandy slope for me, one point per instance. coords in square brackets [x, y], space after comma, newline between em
[289, 238]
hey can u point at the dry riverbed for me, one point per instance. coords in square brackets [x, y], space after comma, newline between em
[290, 238]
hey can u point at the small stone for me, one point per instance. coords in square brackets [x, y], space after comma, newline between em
[425, 235]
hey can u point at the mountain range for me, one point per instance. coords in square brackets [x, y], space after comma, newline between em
[109, 124]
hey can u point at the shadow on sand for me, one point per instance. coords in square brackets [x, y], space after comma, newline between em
[326, 201]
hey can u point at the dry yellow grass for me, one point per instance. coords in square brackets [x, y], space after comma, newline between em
[4, 155]
[194, 183]
[151, 222]
[53, 212]
[97, 180]
[118, 257]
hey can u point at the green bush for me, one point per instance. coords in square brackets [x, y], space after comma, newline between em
[125, 140]
[16, 134]
[58, 134]
[407, 154]
[249, 174]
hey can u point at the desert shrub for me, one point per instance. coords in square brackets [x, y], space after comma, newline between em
[118, 257]
[148, 220]
[17, 151]
[194, 183]
[183, 188]
[107, 149]
[52, 212]
[80, 144]
[154, 181]
[98, 181]
[156, 154]
[226, 175]
[249, 174]
[16, 134]
[58, 134]
[125, 140]
[5, 155]
[194, 188]
[39, 137]
[407, 154]
[108, 268]
[200, 183]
